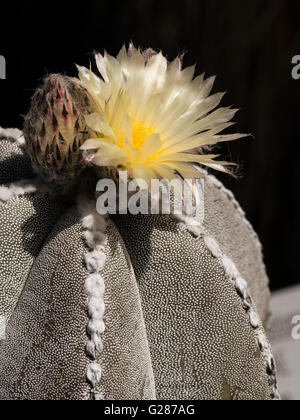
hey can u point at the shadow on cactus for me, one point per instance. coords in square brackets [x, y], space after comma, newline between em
[117, 307]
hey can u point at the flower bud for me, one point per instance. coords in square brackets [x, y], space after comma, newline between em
[55, 129]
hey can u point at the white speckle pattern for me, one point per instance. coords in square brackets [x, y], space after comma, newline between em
[242, 289]
[43, 356]
[15, 164]
[238, 208]
[26, 222]
[95, 240]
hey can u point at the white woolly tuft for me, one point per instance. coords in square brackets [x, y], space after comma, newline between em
[18, 189]
[94, 286]
[254, 320]
[10, 133]
[13, 134]
[212, 245]
[241, 286]
[94, 227]
[192, 225]
[5, 194]
[88, 222]
[21, 141]
[94, 261]
[230, 268]
[94, 373]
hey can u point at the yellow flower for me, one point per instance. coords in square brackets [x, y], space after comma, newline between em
[152, 118]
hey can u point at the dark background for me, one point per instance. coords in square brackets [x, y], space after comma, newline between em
[249, 44]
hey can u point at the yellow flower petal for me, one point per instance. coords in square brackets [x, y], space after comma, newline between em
[186, 157]
[150, 147]
[109, 154]
[185, 170]
[98, 123]
[91, 144]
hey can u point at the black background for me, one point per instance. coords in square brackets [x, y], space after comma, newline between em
[248, 44]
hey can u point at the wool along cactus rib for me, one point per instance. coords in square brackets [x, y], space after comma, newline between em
[203, 336]
[130, 307]
[44, 312]
[225, 221]
[50, 322]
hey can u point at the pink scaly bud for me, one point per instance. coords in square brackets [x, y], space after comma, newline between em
[55, 129]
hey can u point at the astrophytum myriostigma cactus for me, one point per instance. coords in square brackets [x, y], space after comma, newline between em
[122, 307]
[176, 319]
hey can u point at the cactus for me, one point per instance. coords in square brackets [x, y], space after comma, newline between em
[134, 307]
[127, 307]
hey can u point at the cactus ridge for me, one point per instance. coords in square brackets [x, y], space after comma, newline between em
[241, 288]
[225, 219]
[94, 227]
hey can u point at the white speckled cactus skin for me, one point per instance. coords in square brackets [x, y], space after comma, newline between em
[134, 307]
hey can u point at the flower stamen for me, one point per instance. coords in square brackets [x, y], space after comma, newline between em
[140, 134]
